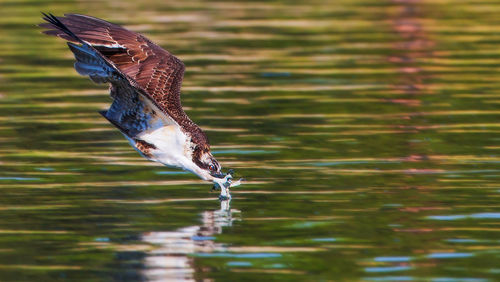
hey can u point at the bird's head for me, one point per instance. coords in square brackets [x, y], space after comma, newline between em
[208, 167]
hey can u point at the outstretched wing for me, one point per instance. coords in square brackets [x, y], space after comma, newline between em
[149, 68]
[154, 69]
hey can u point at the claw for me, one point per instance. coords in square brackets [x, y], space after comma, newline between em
[224, 183]
[224, 198]
[237, 183]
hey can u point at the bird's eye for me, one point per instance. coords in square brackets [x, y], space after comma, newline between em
[211, 167]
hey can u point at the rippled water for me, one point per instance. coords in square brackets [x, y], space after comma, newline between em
[368, 132]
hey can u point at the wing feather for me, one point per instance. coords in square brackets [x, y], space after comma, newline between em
[139, 55]
[155, 72]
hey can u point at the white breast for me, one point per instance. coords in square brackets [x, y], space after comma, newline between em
[173, 145]
[170, 142]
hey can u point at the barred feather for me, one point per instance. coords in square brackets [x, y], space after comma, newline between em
[155, 72]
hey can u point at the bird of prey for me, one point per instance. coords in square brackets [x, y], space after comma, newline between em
[145, 83]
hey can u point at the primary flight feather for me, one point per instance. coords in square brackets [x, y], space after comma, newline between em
[145, 86]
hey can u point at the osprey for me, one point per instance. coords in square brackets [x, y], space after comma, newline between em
[145, 86]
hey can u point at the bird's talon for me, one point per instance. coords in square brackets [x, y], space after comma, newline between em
[224, 198]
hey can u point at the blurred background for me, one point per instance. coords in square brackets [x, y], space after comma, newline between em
[368, 131]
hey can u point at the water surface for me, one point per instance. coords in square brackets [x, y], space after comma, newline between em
[368, 132]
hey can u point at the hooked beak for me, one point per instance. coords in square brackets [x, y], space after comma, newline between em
[217, 174]
[221, 174]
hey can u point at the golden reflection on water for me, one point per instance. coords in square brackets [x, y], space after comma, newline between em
[171, 258]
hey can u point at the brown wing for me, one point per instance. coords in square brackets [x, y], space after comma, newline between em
[157, 72]
[154, 69]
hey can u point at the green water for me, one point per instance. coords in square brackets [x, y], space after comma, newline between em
[368, 132]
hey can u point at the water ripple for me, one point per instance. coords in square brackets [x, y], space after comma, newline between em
[487, 215]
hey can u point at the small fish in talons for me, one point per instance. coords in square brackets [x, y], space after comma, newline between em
[223, 184]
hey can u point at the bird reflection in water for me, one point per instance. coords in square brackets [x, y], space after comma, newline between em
[171, 260]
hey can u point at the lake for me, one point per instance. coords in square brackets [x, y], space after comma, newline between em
[367, 131]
